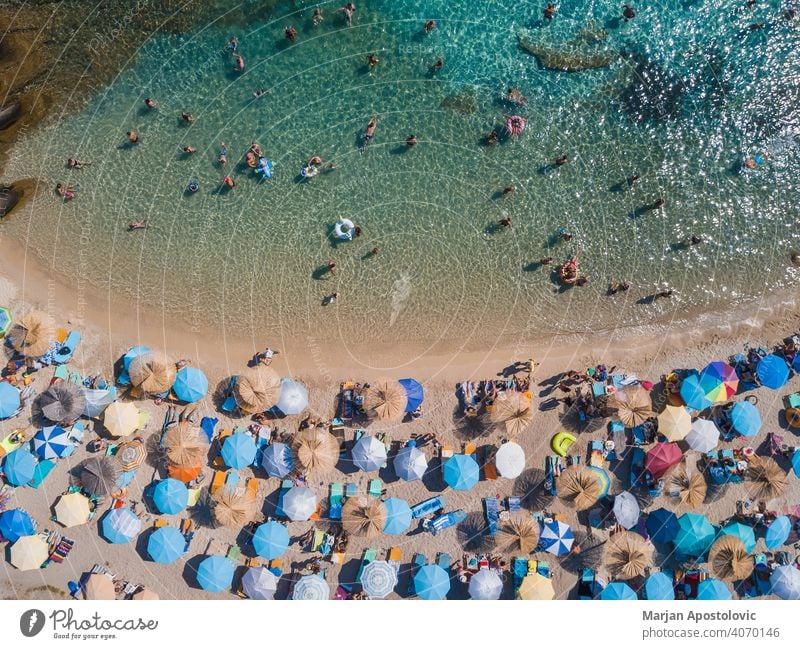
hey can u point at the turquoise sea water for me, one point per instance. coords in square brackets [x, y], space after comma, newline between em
[690, 92]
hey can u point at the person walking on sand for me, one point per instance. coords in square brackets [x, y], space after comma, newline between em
[265, 357]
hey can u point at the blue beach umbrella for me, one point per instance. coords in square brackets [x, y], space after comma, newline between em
[9, 400]
[51, 442]
[431, 582]
[695, 535]
[215, 574]
[778, 532]
[277, 460]
[662, 525]
[170, 496]
[796, 363]
[693, 394]
[121, 525]
[271, 540]
[713, 589]
[398, 516]
[19, 467]
[5, 320]
[659, 586]
[311, 587]
[557, 538]
[461, 472]
[166, 545]
[772, 371]
[15, 523]
[239, 450]
[617, 591]
[415, 395]
[742, 532]
[745, 418]
[410, 463]
[190, 384]
[796, 462]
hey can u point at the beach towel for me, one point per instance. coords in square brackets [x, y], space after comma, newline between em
[208, 424]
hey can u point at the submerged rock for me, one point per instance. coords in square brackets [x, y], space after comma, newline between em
[567, 58]
[9, 197]
[653, 92]
[464, 103]
[9, 114]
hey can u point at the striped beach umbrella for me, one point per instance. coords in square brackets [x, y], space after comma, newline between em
[603, 479]
[19, 467]
[15, 523]
[410, 463]
[398, 516]
[215, 574]
[713, 589]
[461, 472]
[659, 587]
[130, 455]
[271, 540]
[277, 460]
[557, 538]
[431, 582]
[51, 442]
[785, 582]
[238, 450]
[746, 419]
[778, 532]
[166, 545]
[369, 453]
[719, 382]
[121, 525]
[485, 584]
[618, 591]
[311, 587]
[190, 385]
[378, 579]
[9, 400]
[772, 371]
[170, 496]
[259, 583]
[29, 552]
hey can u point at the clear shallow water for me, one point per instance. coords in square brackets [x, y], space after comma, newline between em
[694, 93]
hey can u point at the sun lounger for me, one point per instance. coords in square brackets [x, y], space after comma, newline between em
[443, 521]
[346, 395]
[285, 486]
[218, 481]
[316, 542]
[418, 562]
[543, 569]
[444, 561]
[369, 556]
[428, 507]
[77, 432]
[61, 373]
[276, 567]
[335, 501]
[337, 430]
[445, 453]
[375, 488]
[232, 479]
[351, 490]
[794, 400]
[491, 510]
[144, 419]
[251, 487]
[229, 405]
[67, 348]
[520, 571]
[41, 471]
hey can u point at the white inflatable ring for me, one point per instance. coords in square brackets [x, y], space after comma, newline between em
[344, 229]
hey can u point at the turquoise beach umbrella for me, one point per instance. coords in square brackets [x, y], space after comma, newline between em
[5, 320]
[277, 460]
[190, 384]
[659, 586]
[398, 516]
[121, 525]
[695, 535]
[166, 545]
[170, 496]
[746, 419]
[239, 450]
[9, 400]
[713, 589]
[15, 523]
[215, 574]
[742, 532]
[693, 393]
[271, 540]
[431, 582]
[461, 472]
[778, 532]
[618, 591]
[19, 467]
[772, 371]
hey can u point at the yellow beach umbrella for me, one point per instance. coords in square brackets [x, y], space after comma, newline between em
[145, 593]
[29, 552]
[674, 423]
[121, 419]
[72, 509]
[536, 586]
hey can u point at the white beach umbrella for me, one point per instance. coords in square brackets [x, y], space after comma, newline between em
[485, 584]
[626, 509]
[369, 453]
[510, 460]
[259, 583]
[299, 503]
[785, 582]
[29, 552]
[410, 463]
[293, 398]
[378, 579]
[311, 587]
[703, 436]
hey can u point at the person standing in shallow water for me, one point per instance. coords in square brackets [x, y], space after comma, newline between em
[348, 10]
[429, 26]
[549, 11]
[628, 13]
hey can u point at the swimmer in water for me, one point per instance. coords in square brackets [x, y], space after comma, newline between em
[133, 137]
[251, 159]
[373, 252]
[239, 65]
[150, 103]
[315, 161]
[259, 93]
[660, 202]
[255, 148]
[332, 267]
[561, 160]
[438, 65]
[187, 117]
[632, 180]
[549, 11]
[546, 261]
[227, 181]
[492, 138]
[74, 163]
[372, 61]
[137, 225]
[233, 44]
[348, 10]
[369, 132]
[429, 26]
[317, 18]
[222, 158]
[515, 96]
[628, 13]
[667, 292]
[331, 299]
[695, 240]
[411, 141]
[67, 192]
[290, 33]
[189, 149]
[566, 236]
[505, 222]
[508, 190]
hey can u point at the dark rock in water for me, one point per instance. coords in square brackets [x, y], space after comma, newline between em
[566, 60]
[464, 103]
[653, 93]
[10, 114]
[8, 199]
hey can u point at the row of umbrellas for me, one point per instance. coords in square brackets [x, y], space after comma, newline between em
[154, 373]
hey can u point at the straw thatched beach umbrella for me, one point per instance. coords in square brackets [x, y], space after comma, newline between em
[315, 450]
[63, 402]
[33, 334]
[729, 558]
[99, 475]
[257, 389]
[518, 534]
[387, 399]
[97, 586]
[579, 485]
[186, 444]
[151, 373]
[633, 405]
[364, 516]
[514, 410]
[628, 555]
[769, 479]
[691, 488]
[233, 510]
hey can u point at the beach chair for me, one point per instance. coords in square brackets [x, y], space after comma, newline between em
[543, 569]
[160, 522]
[444, 561]
[77, 432]
[337, 430]
[144, 419]
[428, 507]
[276, 567]
[375, 488]
[491, 510]
[317, 541]
[369, 556]
[351, 490]
[66, 349]
[218, 481]
[41, 471]
[794, 400]
[285, 486]
[335, 501]
[229, 405]
[519, 571]
[232, 480]
[514, 504]
[639, 435]
[61, 373]
[251, 487]
[445, 453]
[418, 562]
[218, 462]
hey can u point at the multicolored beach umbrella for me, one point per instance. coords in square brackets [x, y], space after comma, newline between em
[742, 532]
[190, 385]
[271, 540]
[662, 457]
[704, 436]
[713, 589]
[121, 525]
[170, 496]
[9, 400]
[369, 453]
[662, 525]
[626, 509]
[5, 320]
[772, 371]
[51, 442]
[293, 398]
[659, 587]
[557, 538]
[618, 591]
[398, 516]
[166, 545]
[695, 535]
[277, 460]
[415, 395]
[485, 584]
[431, 582]
[378, 579]
[259, 583]
[746, 419]
[461, 472]
[15, 523]
[778, 532]
[239, 450]
[410, 463]
[785, 582]
[311, 587]
[19, 467]
[215, 574]
[603, 479]
[693, 394]
[719, 382]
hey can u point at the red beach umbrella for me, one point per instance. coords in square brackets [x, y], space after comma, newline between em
[661, 458]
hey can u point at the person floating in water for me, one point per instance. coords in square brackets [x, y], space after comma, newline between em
[509, 189]
[616, 287]
[628, 13]
[561, 160]
[549, 11]
[546, 261]
[137, 225]
[369, 132]
[227, 181]
[411, 141]
[632, 180]
[374, 252]
[348, 10]
[695, 240]
[754, 161]
[222, 158]
[189, 149]
[150, 103]
[438, 64]
[239, 65]
[429, 26]
[372, 61]
[290, 33]
[492, 138]
[133, 137]
[332, 267]
[259, 93]
[516, 97]
[74, 163]
[665, 292]
[67, 192]
[317, 17]
[565, 236]
[505, 222]
[233, 45]
[187, 117]
[660, 202]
